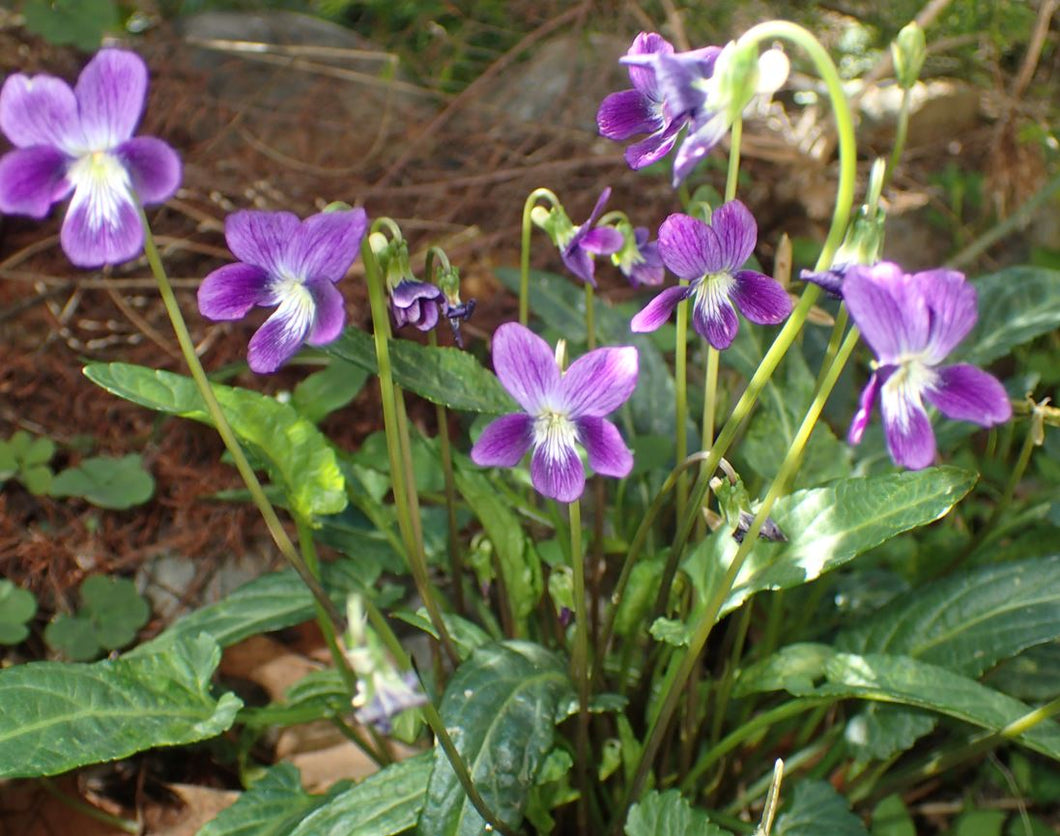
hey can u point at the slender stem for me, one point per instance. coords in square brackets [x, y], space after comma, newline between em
[733, 174]
[327, 629]
[758, 723]
[724, 689]
[681, 402]
[415, 558]
[901, 132]
[590, 323]
[709, 615]
[434, 720]
[224, 429]
[456, 556]
[524, 253]
[580, 664]
[379, 754]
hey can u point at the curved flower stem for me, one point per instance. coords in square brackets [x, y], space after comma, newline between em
[403, 499]
[327, 629]
[756, 724]
[901, 132]
[524, 253]
[580, 664]
[224, 429]
[706, 619]
[733, 174]
[635, 547]
[681, 402]
[435, 721]
[767, 31]
[590, 319]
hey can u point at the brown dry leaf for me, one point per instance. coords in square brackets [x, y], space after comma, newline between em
[266, 662]
[201, 804]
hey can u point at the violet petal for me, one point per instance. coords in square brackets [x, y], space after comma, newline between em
[525, 366]
[884, 324]
[153, 167]
[39, 111]
[910, 438]
[953, 304]
[110, 93]
[330, 313]
[760, 298]
[737, 233]
[697, 144]
[653, 148]
[599, 382]
[326, 244]
[229, 292]
[863, 416]
[261, 238]
[602, 240]
[608, 454]
[658, 310]
[102, 225]
[504, 441]
[557, 472]
[31, 180]
[967, 393]
[715, 321]
[625, 114]
[689, 248]
[283, 333]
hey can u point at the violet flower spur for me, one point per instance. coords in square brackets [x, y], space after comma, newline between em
[709, 257]
[290, 264]
[560, 410]
[80, 141]
[642, 109]
[912, 322]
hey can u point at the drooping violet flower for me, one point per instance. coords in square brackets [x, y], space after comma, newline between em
[383, 695]
[415, 303]
[292, 265]
[80, 141]
[579, 244]
[642, 109]
[639, 259]
[709, 88]
[912, 322]
[709, 257]
[560, 410]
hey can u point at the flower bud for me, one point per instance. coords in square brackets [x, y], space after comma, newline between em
[908, 50]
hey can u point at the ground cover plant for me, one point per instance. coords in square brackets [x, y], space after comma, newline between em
[747, 552]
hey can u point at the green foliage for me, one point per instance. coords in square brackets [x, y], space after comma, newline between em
[668, 813]
[503, 702]
[328, 390]
[17, 607]
[1016, 305]
[59, 716]
[817, 808]
[295, 453]
[116, 483]
[447, 376]
[82, 23]
[26, 458]
[112, 613]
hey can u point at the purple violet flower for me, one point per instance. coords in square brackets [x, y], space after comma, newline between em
[709, 256]
[290, 264]
[642, 109]
[416, 303]
[560, 410]
[912, 322]
[589, 240]
[80, 141]
[639, 259]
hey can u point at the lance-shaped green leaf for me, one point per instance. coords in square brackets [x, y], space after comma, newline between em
[57, 716]
[449, 376]
[967, 623]
[297, 454]
[815, 670]
[272, 806]
[383, 804]
[1015, 306]
[500, 707]
[270, 602]
[815, 809]
[828, 526]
